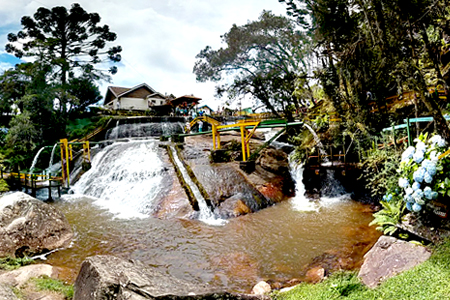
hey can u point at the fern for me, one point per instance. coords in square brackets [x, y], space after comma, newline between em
[388, 218]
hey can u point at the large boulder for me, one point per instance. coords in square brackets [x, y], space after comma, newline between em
[274, 160]
[29, 226]
[18, 277]
[109, 277]
[389, 257]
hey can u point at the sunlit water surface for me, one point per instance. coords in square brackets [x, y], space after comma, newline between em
[275, 243]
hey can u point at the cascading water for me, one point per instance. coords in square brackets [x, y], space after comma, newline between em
[125, 178]
[318, 142]
[36, 159]
[332, 190]
[144, 130]
[206, 214]
[299, 201]
[50, 164]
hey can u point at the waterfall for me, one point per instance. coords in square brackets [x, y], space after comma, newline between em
[35, 160]
[318, 142]
[299, 201]
[50, 164]
[125, 178]
[206, 215]
[139, 130]
[332, 190]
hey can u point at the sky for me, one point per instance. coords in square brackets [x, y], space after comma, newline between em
[160, 38]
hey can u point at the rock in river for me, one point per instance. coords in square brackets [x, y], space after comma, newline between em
[29, 226]
[109, 277]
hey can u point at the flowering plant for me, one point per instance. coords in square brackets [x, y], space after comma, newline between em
[423, 173]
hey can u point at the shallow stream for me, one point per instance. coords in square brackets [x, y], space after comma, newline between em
[275, 244]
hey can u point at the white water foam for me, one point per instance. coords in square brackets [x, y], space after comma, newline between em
[35, 159]
[125, 178]
[206, 214]
[299, 201]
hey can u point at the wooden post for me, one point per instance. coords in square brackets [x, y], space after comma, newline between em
[243, 143]
[49, 191]
[214, 136]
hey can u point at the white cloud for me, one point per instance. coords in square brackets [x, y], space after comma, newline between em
[160, 39]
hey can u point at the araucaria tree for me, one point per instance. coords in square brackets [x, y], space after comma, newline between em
[69, 50]
[262, 59]
[71, 42]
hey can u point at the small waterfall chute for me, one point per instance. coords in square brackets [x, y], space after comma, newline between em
[35, 160]
[300, 202]
[318, 143]
[205, 215]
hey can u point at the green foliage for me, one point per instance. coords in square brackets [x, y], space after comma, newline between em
[9, 263]
[380, 171]
[4, 187]
[427, 281]
[388, 218]
[69, 41]
[49, 284]
[264, 57]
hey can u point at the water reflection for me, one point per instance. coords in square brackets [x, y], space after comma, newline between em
[273, 244]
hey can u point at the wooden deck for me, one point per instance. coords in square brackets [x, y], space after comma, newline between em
[33, 182]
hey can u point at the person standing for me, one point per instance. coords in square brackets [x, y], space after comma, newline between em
[200, 126]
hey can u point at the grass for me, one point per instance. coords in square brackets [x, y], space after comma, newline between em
[54, 285]
[429, 280]
[9, 263]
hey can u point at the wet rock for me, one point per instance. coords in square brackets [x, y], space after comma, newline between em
[233, 207]
[108, 277]
[19, 277]
[236, 265]
[315, 275]
[29, 226]
[6, 293]
[261, 288]
[274, 160]
[389, 257]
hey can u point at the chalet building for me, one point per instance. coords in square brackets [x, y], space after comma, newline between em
[141, 97]
[206, 109]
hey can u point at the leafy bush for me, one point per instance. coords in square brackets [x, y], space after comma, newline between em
[9, 263]
[380, 171]
[424, 172]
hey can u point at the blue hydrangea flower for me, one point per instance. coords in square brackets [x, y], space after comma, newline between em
[403, 183]
[389, 198]
[408, 198]
[427, 193]
[418, 156]
[408, 153]
[416, 186]
[409, 206]
[437, 139]
[421, 147]
[409, 191]
[419, 174]
[416, 207]
[417, 195]
[420, 201]
[432, 170]
[427, 177]
[434, 195]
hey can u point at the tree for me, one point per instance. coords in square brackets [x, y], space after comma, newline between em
[68, 41]
[384, 47]
[261, 57]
